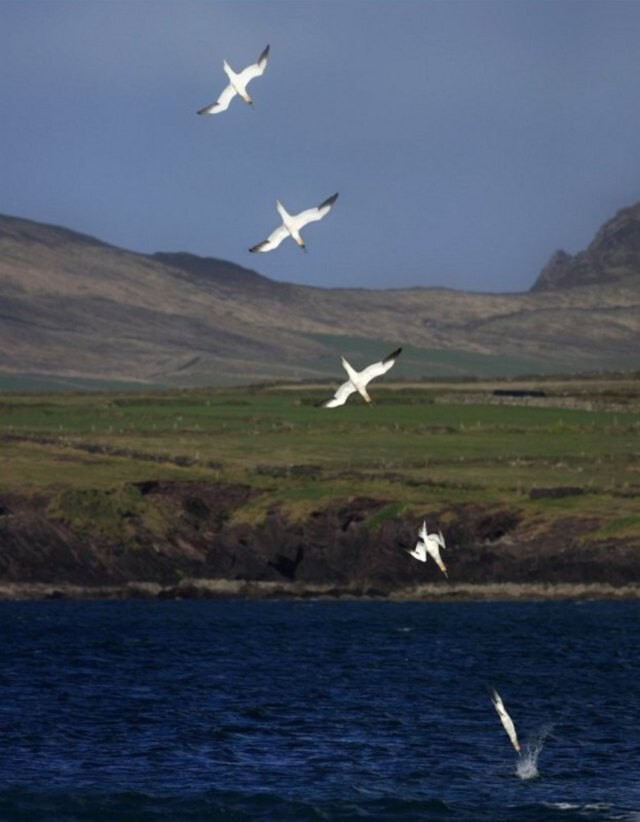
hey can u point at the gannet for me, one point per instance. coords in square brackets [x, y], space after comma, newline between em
[429, 545]
[419, 552]
[506, 720]
[292, 223]
[358, 380]
[433, 543]
[237, 84]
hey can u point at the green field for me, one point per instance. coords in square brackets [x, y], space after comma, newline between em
[436, 362]
[420, 448]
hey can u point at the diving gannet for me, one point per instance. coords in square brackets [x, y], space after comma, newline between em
[506, 720]
[432, 544]
[292, 223]
[358, 380]
[419, 552]
[237, 84]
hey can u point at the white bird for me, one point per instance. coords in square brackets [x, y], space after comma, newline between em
[292, 223]
[237, 84]
[506, 720]
[429, 545]
[358, 380]
[419, 552]
[436, 539]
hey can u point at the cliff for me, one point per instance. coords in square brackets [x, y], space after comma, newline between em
[344, 548]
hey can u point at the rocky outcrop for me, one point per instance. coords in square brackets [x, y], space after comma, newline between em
[613, 255]
[350, 546]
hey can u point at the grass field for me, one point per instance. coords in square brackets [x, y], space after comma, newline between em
[438, 362]
[420, 448]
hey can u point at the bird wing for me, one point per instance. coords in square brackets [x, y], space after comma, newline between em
[313, 214]
[340, 397]
[273, 240]
[422, 533]
[419, 552]
[255, 69]
[507, 722]
[222, 103]
[351, 371]
[379, 368]
[440, 539]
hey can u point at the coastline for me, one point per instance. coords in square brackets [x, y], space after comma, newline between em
[242, 589]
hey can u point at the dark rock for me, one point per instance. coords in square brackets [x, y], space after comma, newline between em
[555, 272]
[346, 546]
[613, 254]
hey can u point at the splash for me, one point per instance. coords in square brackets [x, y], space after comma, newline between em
[527, 767]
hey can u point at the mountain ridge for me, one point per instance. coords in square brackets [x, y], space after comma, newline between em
[72, 305]
[613, 254]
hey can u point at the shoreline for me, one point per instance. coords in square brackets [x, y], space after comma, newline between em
[241, 589]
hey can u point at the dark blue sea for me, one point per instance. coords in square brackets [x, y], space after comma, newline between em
[238, 710]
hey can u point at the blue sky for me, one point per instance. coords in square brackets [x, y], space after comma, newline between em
[468, 139]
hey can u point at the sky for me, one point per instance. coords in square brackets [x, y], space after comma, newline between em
[468, 139]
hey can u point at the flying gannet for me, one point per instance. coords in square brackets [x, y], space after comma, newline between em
[429, 545]
[506, 720]
[358, 380]
[292, 223]
[237, 84]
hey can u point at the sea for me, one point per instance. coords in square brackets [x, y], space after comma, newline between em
[318, 710]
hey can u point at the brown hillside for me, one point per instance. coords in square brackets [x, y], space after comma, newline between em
[72, 305]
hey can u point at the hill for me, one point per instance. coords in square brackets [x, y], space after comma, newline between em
[74, 308]
[613, 256]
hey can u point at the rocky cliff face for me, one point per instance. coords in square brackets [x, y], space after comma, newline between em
[343, 546]
[613, 255]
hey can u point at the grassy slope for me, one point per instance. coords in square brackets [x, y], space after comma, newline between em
[420, 449]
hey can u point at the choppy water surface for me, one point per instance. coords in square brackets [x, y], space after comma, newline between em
[318, 710]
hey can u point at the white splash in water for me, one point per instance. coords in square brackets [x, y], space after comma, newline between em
[527, 767]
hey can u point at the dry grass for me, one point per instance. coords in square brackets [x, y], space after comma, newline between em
[217, 588]
[86, 309]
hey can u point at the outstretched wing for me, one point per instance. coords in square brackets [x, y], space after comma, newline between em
[222, 103]
[422, 533]
[340, 397]
[255, 69]
[379, 368]
[419, 552]
[313, 214]
[440, 540]
[273, 240]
